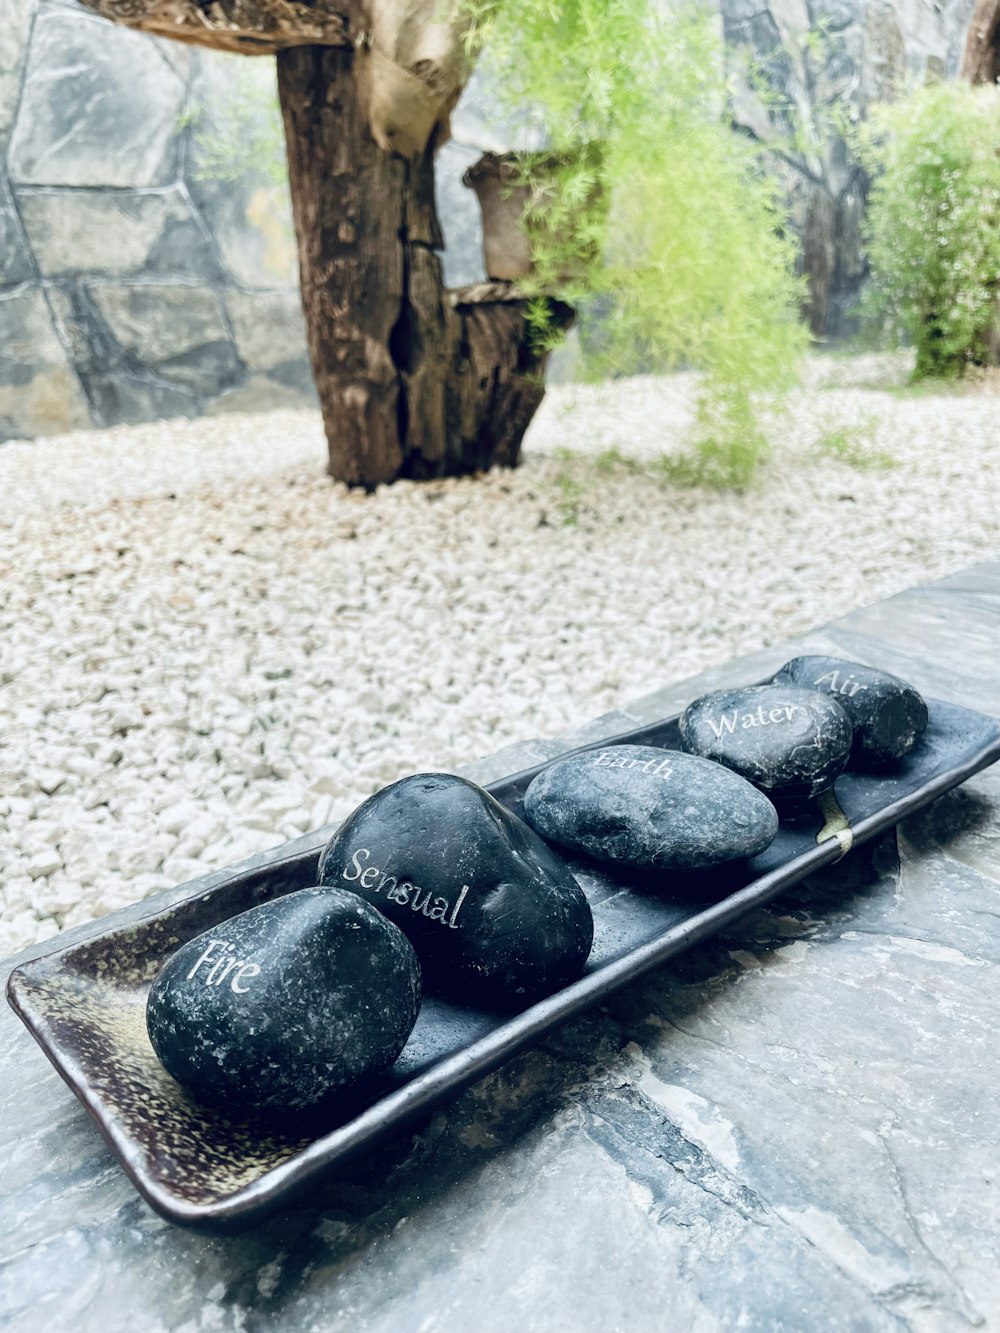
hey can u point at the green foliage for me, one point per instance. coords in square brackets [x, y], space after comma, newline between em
[933, 224]
[648, 212]
[799, 127]
[855, 444]
[572, 491]
[239, 136]
[611, 461]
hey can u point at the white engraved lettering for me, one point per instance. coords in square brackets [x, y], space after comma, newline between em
[247, 970]
[358, 872]
[404, 893]
[726, 724]
[848, 686]
[224, 965]
[656, 768]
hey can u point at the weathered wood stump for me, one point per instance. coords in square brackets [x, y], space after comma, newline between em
[981, 58]
[413, 380]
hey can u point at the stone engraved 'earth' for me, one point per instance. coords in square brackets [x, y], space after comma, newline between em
[494, 915]
[637, 806]
[789, 742]
[887, 714]
[332, 995]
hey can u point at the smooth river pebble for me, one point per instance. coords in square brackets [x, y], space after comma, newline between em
[633, 805]
[791, 743]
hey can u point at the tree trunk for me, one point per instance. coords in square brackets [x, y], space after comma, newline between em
[981, 59]
[413, 381]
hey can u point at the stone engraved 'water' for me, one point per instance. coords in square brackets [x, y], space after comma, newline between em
[660, 768]
[225, 964]
[366, 876]
[726, 724]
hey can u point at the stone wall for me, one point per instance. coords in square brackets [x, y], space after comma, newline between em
[135, 284]
[821, 63]
[130, 288]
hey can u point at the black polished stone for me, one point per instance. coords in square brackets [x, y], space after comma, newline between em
[287, 1002]
[491, 911]
[790, 742]
[636, 806]
[887, 715]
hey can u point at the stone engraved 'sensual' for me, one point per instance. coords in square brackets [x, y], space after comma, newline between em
[726, 724]
[224, 964]
[397, 892]
[655, 768]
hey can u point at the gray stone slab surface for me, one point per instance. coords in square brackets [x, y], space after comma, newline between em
[34, 368]
[99, 106]
[98, 231]
[791, 1127]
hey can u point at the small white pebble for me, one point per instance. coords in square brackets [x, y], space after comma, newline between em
[253, 650]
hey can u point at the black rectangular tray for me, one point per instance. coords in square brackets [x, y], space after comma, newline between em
[216, 1170]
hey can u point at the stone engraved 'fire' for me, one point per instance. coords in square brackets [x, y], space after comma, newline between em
[400, 892]
[726, 724]
[225, 965]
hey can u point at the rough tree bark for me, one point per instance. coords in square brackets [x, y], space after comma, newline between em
[981, 59]
[413, 381]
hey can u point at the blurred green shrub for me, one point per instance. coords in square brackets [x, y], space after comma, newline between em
[236, 124]
[933, 226]
[663, 217]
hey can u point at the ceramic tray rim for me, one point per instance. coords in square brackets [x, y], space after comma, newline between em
[265, 1195]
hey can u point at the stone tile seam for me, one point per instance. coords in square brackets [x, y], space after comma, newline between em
[21, 85]
[17, 289]
[656, 1115]
[63, 339]
[942, 1299]
[11, 183]
[890, 935]
[207, 234]
[963, 1307]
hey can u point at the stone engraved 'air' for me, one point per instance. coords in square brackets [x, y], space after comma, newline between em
[848, 685]
[224, 964]
[400, 893]
[726, 724]
[656, 768]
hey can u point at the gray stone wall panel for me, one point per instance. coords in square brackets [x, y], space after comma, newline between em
[15, 258]
[263, 393]
[15, 24]
[826, 62]
[98, 231]
[252, 226]
[36, 381]
[99, 106]
[268, 326]
[124, 260]
[157, 322]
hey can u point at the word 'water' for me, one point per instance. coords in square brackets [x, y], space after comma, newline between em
[726, 724]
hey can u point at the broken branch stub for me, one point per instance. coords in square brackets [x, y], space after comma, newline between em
[410, 67]
[244, 27]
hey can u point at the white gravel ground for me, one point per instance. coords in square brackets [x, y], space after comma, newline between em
[207, 648]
